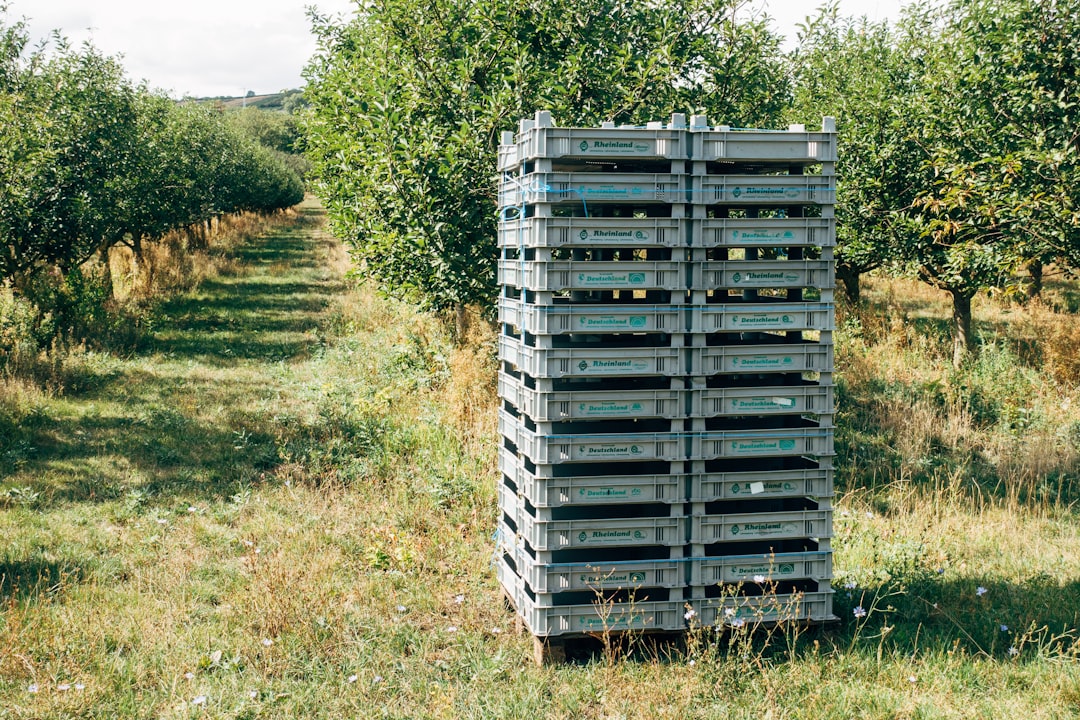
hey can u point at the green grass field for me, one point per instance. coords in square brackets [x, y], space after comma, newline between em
[282, 506]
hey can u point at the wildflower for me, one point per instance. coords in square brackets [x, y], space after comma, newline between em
[1004, 628]
[63, 687]
[850, 585]
[870, 515]
[941, 571]
[198, 700]
[377, 679]
[738, 622]
[452, 628]
[80, 686]
[912, 679]
[859, 612]
[459, 599]
[267, 642]
[32, 689]
[402, 608]
[759, 579]
[729, 612]
[189, 676]
[690, 613]
[253, 694]
[162, 521]
[496, 630]
[980, 591]
[351, 679]
[692, 663]
[192, 508]
[1013, 652]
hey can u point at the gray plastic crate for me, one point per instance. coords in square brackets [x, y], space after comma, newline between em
[564, 319]
[767, 232]
[595, 143]
[763, 189]
[558, 232]
[815, 565]
[764, 484]
[771, 400]
[618, 532]
[544, 488]
[792, 146]
[592, 405]
[739, 611]
[586, 188]
[708, 529]
[805, 357]
[763, 443]
[756, 274]
[600, 447]
[755, 317]
[589, 362]
[556, 275]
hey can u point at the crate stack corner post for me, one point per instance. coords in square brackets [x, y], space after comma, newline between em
[665, 375]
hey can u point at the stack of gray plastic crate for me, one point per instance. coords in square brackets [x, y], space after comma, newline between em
[665, 375]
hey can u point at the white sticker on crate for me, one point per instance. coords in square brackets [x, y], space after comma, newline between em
[610, 409]
[757, 447]
[611, 279]
[616, 367]
[764, 529]
[757, 488]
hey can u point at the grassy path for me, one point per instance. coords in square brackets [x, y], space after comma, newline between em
[282, 507]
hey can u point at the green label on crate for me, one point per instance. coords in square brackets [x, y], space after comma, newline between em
[768, 571]
[766, 192]
[612, 191]
[753, 362]
[610, 279]
[766, 278]
[612, 578]
[762, 320]
[763, 235]
[608, 493]
[763, 403]
[606, 451]
[613, 234]
[607, 409]
[764, 529]
[612, 322]
[616, 367]
[588, 537]
[610, 621]
[757, 447]
[615, 147]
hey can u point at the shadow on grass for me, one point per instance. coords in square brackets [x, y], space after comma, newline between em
[23, 580]
[187, 425]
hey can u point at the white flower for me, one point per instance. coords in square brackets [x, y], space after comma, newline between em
[63, 687]
[759, 579]
[1004, 628]
[452, 628]
[402, 608]
[859, 612]
[870, 515]
[162, 521]
[80, 686]
[690, 613]
[350, 679]
[189, 676]
[850, 585]
[1013, 652]
[192, 508]
[253, 694]
[496, 630]
[912, 679]
[738, 622]
[198, 700]
[692, 663]
[459, 599]
[32, 689]
[377, 679]
[267, 642]
[980, 591]
[729, 612]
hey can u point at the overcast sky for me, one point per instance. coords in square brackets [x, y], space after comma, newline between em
[206, 48]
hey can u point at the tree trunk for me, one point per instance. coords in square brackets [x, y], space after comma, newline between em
[1035, 270]
[461, 322]
[852, 285]
[106, 267]
[961, 316]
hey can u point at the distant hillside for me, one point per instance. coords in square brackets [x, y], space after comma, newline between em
[274, 101]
